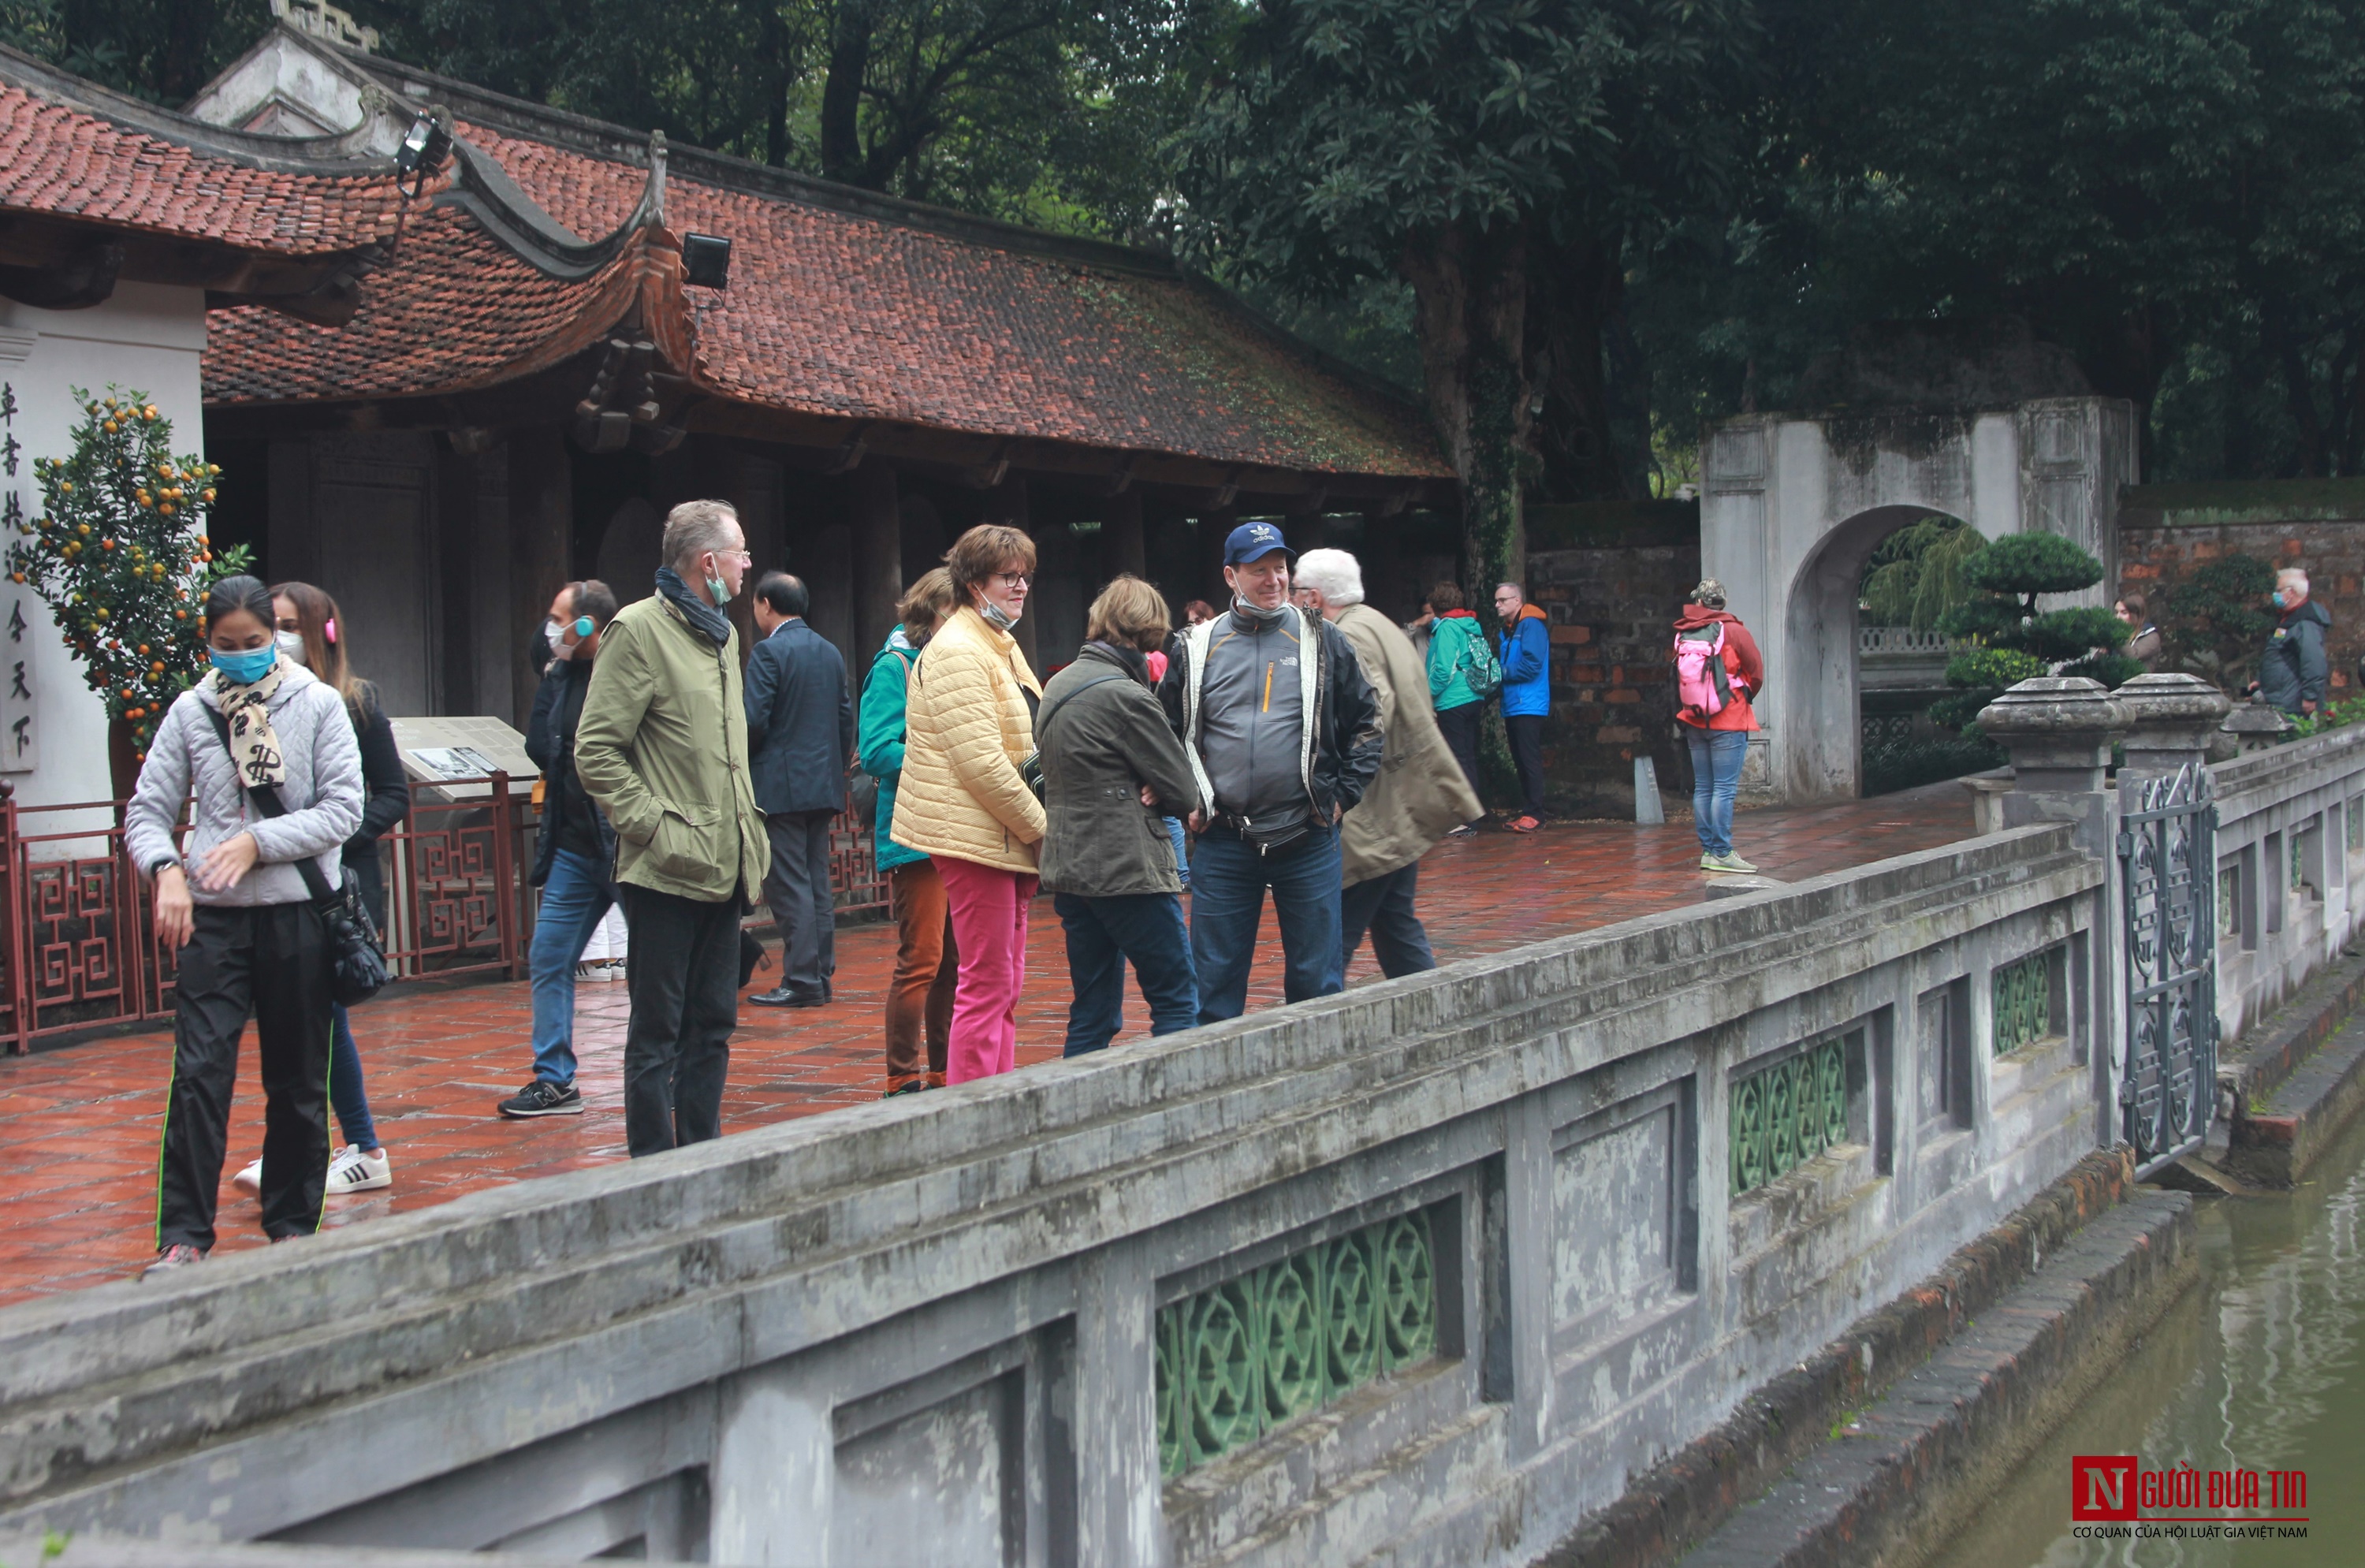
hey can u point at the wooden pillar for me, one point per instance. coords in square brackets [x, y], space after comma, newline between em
[1123, 548]
[542, 516]
[454, 689]
[877, 552]
[1216, 525]
[1006, 503]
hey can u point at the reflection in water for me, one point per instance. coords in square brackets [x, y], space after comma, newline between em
[2256, 1368]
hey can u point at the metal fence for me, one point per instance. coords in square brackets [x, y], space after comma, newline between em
[78, 948]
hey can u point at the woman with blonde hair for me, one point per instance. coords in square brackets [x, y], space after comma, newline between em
[963, 800]
[927, 954]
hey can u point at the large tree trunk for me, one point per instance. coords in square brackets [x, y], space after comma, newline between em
[841, 93]
[1576, 301]
[1470, 290]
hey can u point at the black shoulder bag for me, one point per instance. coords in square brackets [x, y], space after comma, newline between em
[356, 957]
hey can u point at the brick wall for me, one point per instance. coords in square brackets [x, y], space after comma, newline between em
[2165, 530]
[1612, 578]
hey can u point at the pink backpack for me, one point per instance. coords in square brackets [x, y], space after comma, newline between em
[1700, 682]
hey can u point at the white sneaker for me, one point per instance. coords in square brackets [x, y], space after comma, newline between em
[249, 1180]
[354, 1172]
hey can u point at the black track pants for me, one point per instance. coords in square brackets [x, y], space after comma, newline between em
[270, 964]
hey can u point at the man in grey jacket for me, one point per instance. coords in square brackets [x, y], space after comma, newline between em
[1284, 738]
[1113, 772]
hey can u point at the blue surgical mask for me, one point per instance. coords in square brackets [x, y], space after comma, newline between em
[2279, 598]
[245, 667]
[719, 591]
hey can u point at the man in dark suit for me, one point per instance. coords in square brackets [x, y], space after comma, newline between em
[800, 736]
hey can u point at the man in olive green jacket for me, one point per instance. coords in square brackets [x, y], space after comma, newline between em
[663, 749]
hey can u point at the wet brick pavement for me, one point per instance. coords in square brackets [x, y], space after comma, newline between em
[79, 1123]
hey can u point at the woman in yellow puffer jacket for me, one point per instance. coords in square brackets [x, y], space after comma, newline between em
[962, 800]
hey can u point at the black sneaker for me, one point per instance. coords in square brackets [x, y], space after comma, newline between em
[543, 1098]
[179, 1255]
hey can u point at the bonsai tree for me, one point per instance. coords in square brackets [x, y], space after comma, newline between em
[2215, 626]
[2017, 638]
[119, 555]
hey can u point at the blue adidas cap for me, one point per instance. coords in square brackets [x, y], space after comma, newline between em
[1254, 542]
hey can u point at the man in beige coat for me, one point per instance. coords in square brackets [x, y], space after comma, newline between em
[1420, 794]
[662, 749]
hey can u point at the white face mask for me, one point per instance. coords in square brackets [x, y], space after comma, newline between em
[552, 631]
[291, 647]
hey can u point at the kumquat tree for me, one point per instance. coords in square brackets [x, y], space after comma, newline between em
[120, 557]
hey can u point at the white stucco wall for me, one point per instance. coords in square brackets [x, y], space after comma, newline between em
[146, 338]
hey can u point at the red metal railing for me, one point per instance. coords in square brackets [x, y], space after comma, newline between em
[78, 945]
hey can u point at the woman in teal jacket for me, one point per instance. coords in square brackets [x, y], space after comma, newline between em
[1455, 642]
[927, 963]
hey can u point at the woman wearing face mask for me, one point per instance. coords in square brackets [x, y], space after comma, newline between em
[312, 633]
[963, 800]
[233, 904]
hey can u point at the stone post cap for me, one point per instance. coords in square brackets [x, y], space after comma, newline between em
[2059, 729]
[2255, 720]
[2171, 718]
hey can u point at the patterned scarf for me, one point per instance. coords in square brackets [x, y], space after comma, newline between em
[253, 747]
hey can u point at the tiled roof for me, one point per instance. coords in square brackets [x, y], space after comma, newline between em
[457, 309]
[839, 313]
[64, 161]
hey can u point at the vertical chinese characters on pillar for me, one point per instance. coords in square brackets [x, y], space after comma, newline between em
[20, 703]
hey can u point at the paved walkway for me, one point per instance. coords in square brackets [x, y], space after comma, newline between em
[79, 1125]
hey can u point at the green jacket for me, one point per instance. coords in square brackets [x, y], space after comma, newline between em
[1450, 637]
[880, 742]
[662, 749]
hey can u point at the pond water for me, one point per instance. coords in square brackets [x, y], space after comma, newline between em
[2256, 1368]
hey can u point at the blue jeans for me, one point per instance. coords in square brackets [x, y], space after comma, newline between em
[1383, 906]
[1716, 777]
[345, 1084]
[574, 900]
[1229, 879]
[1182, 851]
[1103, 933]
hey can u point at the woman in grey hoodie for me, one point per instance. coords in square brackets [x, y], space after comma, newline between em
[231, 902]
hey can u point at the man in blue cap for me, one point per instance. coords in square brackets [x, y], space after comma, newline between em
[1283, 734]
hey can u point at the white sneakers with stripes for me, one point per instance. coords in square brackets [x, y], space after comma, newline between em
[349, 1171]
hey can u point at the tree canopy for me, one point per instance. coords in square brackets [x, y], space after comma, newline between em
[1580, 229]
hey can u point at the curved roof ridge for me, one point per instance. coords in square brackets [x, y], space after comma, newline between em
[485, 189]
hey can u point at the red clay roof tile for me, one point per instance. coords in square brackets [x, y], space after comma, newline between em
[839, 314]
[65, 162]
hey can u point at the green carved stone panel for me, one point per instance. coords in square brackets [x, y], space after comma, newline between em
[2023, 995]
[1242, 1358]
[1786, 1114]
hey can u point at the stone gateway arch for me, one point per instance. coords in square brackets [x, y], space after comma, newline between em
[1793, 506]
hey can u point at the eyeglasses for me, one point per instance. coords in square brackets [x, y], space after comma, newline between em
[1014, 579]
[742, 556]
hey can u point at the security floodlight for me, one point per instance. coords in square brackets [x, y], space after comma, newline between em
[424, 152]
[706, 260]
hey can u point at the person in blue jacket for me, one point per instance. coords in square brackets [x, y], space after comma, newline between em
[1526, 654]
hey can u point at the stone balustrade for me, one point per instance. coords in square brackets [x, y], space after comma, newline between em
[1425, 1270]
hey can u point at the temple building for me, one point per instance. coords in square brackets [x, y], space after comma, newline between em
[580, 326]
